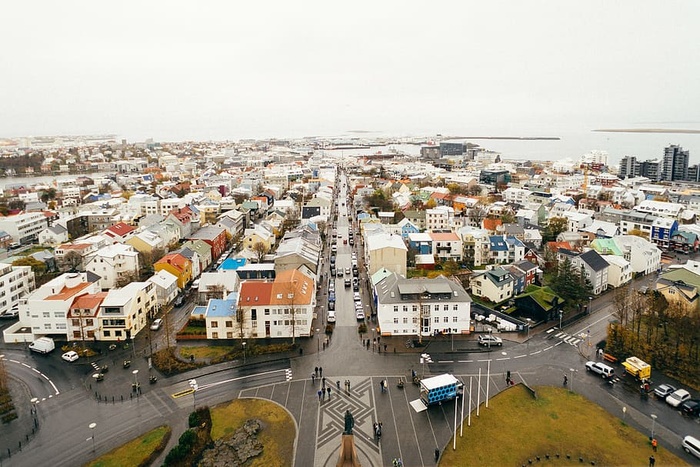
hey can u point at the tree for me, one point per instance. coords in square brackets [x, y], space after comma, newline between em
[553, 228]
[474, 190]
[572, 284]
[38, 267]
[72, 260]
[456, 188]
[476, 215]
[260, 250]
[639, 233]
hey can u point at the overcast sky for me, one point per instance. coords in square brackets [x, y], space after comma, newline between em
[237, 69]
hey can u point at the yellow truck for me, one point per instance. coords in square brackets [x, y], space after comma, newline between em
[637, 368]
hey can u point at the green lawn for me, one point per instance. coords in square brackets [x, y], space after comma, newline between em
[277, 436]
[205, 352]
[517, 428]
[137, 451]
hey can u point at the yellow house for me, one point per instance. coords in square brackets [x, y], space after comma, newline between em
[178, 265]
[145, 242]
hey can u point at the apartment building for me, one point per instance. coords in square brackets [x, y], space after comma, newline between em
[115, 264]
[25, 227]
[15, 283]
[125, 312]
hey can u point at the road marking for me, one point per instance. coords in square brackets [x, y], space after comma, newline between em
[558, 343]
[465, 361]
[501, 359]
[483, 360]
[560, 334]
[535, 353]
[445, 361]
[575, 342]
[547, 348]
[182, 393]
[519, 356]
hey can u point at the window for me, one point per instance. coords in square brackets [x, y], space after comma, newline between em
[47, 314]
[107, 333]
[215, 324]
[446, 319]
[415, 308]
[254, 314]
[229, 335]
[436, 319]
[229, 324]
[267, 312]
[214, 335]
[396, 320]
[437, 308]
[405, 321]
[75, 322]
[405, 308]
[454, 319]
[76, 334]
[446, 308]
[90, 322]
[396, 308]
[118, 333]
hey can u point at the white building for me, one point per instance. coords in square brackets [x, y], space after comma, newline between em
[406, 307]
[439, 218]
[115, 264]
[124, 312]
[15, 283]
[620, 271]
[25, 227]
[644, 256]
[166, 287]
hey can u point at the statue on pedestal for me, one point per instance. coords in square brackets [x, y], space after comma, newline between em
[349, 423]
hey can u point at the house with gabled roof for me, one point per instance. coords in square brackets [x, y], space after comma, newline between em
[595, 269]
[203, 250]
[178, 265]
[119, 232]
[495, 285]
[681, 286]
[684, 242]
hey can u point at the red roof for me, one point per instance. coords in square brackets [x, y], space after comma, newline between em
[120, 228]
[255, 292]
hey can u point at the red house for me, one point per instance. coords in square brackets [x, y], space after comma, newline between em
[214, 237]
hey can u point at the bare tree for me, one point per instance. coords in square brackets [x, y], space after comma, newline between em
[260, 250]
[72, 260]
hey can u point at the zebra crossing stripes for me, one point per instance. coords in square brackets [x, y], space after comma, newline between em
[569, 339]
[288, 374]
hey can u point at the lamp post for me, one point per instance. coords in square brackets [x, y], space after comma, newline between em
[194, 386]
[92, 432]
[572, 370]
[653, 424]
[590, 303]
[34, 402]
[561, 314]
[136, 380]
[318, 342]
[425, 358]
[505, 354]
[243, 344]
[529, 322]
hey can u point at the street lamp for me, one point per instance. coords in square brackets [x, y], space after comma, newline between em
[425, 358]
[194, 386]
[243, 344]
[318, 341]
[529, 322]
[136, 380]
[561, 314]
[92, 431]
[572, 370]
[505, 354]
[653, 424]
[34, 402]
[590, 300]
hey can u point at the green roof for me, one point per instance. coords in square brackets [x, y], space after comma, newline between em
[606, 246]
[682, 274]
[542, 295]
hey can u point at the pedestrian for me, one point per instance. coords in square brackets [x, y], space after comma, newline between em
[324, 382]
[384, 347]
[367, 344]
[381, 385]
[337, 385]
[652, 461]
[324, 392]
[316, 371]
[329, 392]
[319, 395]
[313, 378]
[320, 371]
[437, 454]
[348, 385]
[654, 444]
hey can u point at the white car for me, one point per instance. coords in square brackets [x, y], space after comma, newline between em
[677, 397]
[70, 356]
[360, 315]
[157, 323]
[488, 340]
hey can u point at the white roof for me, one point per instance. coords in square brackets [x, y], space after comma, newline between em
[384, 240]
[438, 381]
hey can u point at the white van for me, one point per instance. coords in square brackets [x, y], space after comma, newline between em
[691, 445]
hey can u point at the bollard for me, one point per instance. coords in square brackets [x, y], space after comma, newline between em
[96, 396]
[20, 445]
[91, 386]
[122, 396]
[112, 399]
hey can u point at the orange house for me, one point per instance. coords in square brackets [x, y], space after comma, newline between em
[177, 265]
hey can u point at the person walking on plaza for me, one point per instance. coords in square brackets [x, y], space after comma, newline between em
[320, 371]
[324, 392]
[329, 393]
[319, 395]
[316, 370]
[313, 378]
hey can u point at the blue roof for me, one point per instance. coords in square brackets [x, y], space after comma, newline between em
[232, 264]
[221, 308]
[514, 241]
[497, 243]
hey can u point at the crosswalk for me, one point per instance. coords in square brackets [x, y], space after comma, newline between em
[288, 374]
[569, 339]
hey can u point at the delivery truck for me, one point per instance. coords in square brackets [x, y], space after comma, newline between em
[637, 368]
[439, 388]
[42, 345]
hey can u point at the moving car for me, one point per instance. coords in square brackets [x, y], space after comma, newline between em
[486, 339]
[677, 397]
[156, 324]
[340, 272]
[347, 271]
[70, 356]
[347, 283]
[664, 390]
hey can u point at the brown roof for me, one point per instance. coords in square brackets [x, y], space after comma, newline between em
[68, 292]
[291, 282]
[255, 292]
[120, 228]
[88, 302]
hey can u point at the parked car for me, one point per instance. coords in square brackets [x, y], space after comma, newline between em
[331, 305]
[331, 316]
[663, 391]
[487, 339]
[11, 313]
[677, 397]
[156, 324]
[691, 407]
[605, 371]
[70, 356]
[347, 283]
[360, 315]
[356, 296]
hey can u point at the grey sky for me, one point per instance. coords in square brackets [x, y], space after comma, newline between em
[180, 70]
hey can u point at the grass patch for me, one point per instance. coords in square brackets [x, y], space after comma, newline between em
[140, 451]
[558, 422]
[206, 352]
[277, 435]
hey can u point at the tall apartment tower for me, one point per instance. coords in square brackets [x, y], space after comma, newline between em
[629, 167]
[675, 165]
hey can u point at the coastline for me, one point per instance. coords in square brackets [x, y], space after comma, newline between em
[649, 130]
